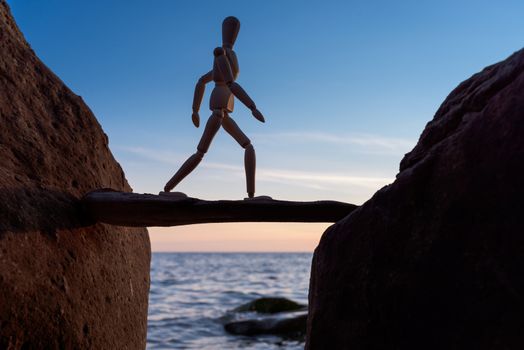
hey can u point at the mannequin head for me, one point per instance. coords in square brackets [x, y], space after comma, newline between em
[230, 28]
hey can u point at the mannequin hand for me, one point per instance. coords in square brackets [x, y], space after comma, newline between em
[196, 119]
[258, 115]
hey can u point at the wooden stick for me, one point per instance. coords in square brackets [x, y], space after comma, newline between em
[135, 209]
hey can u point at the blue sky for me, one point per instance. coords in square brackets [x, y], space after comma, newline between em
[346, 88]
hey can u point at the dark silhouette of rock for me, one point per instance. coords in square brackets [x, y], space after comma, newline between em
[435, 260]
[286, 319]
[270, 306]
[293, 326]
[136, 209]
[65, 282]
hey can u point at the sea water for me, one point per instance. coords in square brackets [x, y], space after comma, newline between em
[192, 295]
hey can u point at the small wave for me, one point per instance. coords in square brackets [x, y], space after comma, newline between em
[192, 296]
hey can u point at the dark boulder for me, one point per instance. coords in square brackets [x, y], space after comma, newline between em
[291, 326]
[435, 260]
[270, 306]
[65, 282]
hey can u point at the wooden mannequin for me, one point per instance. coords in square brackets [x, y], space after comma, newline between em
[225, 71]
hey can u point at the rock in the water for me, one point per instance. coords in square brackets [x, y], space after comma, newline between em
[65, 283]
[435, 260]
[294, 326]
[270, 306]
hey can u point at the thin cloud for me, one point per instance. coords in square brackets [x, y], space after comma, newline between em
[323, 178]
[366, 142]
[171, 158]
[315, 180]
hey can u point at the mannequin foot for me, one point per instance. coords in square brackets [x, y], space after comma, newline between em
[180, 195]
[168, 187]
[258, 198]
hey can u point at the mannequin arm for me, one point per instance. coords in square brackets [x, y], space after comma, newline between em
[239, 93]
[200, 88]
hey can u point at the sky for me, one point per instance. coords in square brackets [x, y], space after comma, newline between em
[346, 88]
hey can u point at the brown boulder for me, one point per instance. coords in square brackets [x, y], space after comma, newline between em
[65, 283]
[435, 260]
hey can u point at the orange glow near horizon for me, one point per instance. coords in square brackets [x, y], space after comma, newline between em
[238, 237]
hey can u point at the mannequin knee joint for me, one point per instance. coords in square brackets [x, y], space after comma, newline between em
[217, 114]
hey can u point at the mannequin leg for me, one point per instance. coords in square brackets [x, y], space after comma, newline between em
[212, 126]
[249, 154]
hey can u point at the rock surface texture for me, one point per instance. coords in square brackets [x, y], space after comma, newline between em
[65, 283]
[435, 260]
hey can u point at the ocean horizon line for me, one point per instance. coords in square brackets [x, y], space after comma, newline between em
[230, 252]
